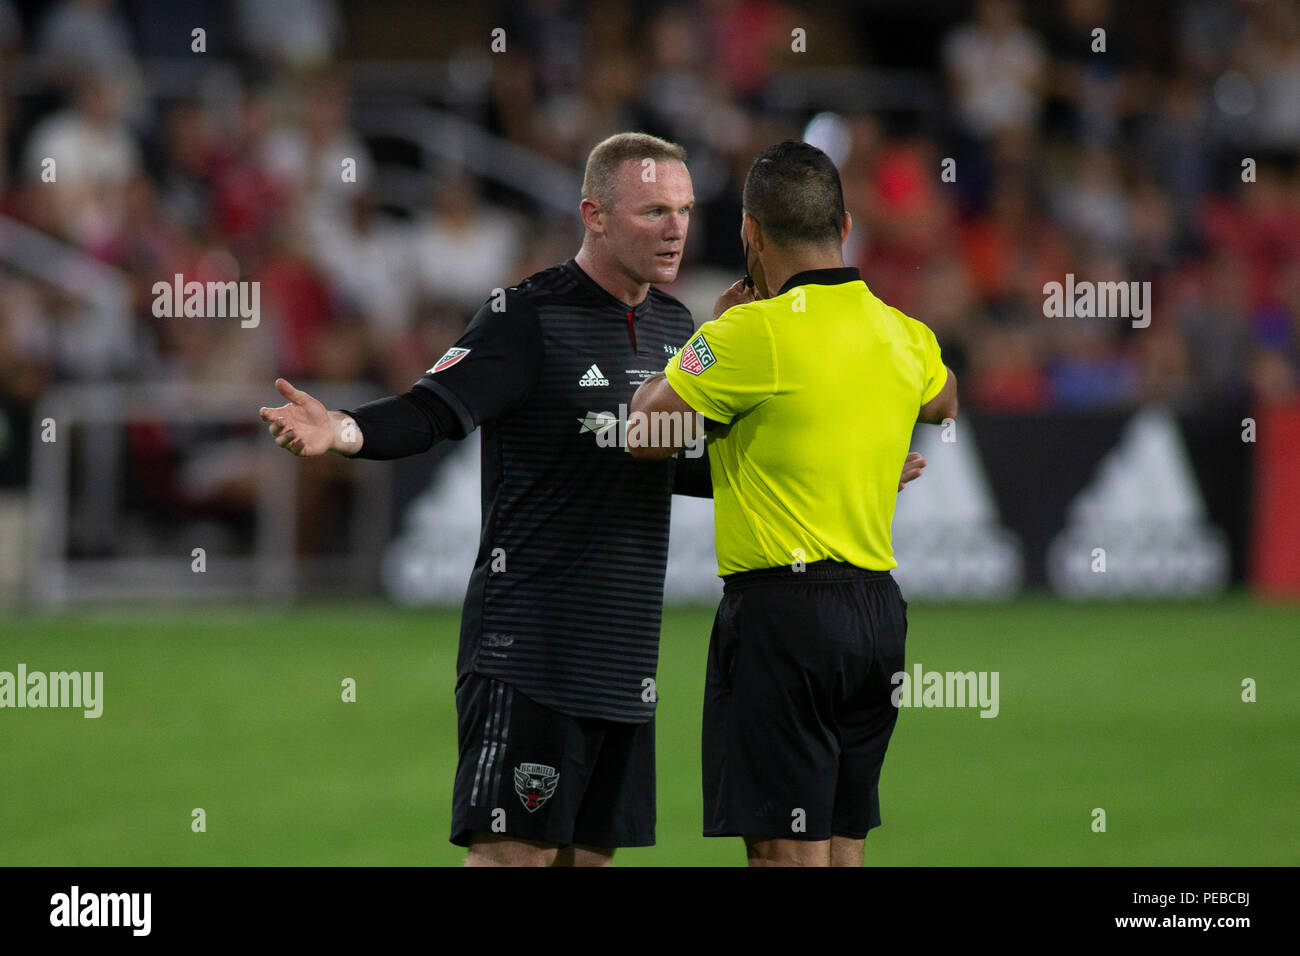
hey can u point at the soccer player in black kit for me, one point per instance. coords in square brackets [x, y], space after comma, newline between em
[559, 642]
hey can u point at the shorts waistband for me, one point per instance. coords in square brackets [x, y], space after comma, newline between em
[825, 571]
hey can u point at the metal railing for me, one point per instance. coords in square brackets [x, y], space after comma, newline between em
[274, 569]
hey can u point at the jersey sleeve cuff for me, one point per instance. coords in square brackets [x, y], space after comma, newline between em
[934, 393]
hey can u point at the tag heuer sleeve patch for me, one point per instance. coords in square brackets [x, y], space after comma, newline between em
[697, 356]
[449, 359]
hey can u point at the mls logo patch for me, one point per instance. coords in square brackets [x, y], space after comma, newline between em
[696, 356]
[449, 359]
[535, 783]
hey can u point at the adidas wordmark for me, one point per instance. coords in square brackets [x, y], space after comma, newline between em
[593, 376]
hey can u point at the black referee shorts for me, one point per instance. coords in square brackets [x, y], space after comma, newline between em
[797, 709]
[531, 773]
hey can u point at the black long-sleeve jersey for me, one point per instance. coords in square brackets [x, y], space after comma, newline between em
[565, 599]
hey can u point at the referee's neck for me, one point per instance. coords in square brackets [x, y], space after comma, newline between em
[779, 267]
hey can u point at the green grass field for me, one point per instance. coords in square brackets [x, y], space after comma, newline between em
[1135, 708]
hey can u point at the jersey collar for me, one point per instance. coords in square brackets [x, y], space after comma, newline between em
[637, 310]
[834, 276]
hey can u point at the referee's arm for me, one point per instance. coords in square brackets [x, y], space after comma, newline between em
[656, 395]
[943, 406]
[653, 400]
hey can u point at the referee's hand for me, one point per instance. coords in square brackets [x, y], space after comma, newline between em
[304, 426]
[913, 465]
[735, 295]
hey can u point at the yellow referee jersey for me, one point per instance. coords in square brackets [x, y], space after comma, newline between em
[820, 386]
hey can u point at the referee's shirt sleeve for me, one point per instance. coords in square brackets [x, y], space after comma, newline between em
[728, 366]
[492, 367]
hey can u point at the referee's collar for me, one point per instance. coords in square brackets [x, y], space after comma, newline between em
[834, 276]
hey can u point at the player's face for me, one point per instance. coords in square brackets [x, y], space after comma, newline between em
[646, 229]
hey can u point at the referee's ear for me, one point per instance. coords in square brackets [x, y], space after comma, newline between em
[751, 232]
[846, 228]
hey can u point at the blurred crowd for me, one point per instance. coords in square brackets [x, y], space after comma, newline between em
[1066, 158]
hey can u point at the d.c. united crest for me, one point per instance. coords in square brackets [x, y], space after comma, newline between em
[535, 782]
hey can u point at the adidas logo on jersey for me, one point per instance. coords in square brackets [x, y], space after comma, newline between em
[593, 376]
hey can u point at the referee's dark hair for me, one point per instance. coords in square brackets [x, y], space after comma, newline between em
[793, 190]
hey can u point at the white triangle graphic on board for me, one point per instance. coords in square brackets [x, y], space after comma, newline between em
[949, 541]
[1139, 528]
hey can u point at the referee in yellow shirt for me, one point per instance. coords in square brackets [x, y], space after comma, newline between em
[815, 385]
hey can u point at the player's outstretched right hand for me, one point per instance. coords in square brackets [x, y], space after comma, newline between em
[304, 426]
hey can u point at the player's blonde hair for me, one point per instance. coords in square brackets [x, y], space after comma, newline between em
[600, 182]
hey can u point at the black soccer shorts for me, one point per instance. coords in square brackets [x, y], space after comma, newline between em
[797, 708]
[531, 773]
